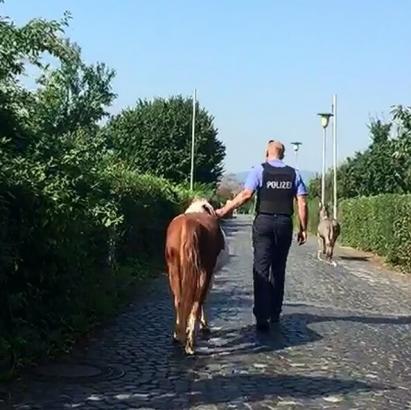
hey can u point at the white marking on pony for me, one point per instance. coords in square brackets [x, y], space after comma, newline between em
[200, 205]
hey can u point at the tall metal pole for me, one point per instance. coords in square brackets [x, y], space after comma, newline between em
[334, 111]
[323, 170]
[193, 141]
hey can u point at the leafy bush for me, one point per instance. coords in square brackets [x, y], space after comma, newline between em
[67, 259]
[381, 224]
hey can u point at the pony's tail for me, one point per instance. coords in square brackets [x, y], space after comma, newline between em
[190, 268]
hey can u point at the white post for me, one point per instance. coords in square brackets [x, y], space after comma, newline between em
[193, 141]
[323, 170]
[334, 111]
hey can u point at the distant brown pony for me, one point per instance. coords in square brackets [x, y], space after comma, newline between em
[195, 245]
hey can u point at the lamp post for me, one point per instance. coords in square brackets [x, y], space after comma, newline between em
[334, 110]
[296, 147]
[325, 119]
[193, 140]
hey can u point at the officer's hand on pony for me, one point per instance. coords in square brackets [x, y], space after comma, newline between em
[221, 212]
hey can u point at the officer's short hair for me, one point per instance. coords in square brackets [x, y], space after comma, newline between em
[282, 145]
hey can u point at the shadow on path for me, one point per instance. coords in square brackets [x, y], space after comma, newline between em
[258, 386]
[253, 388]
[355, 258]
[293, 331]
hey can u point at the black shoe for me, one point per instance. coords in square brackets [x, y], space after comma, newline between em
[262, 326]
[275, 319]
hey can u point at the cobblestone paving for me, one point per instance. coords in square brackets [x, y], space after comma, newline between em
[344, 342]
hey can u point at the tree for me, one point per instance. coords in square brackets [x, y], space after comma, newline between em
[402, 148]
[20, 46]
[384, 167]
[73, 96]
[27, 44]
[155, 137]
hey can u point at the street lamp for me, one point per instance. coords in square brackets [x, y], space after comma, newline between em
[296, 147]
[334, 110]
[325, 120]
[193, 127]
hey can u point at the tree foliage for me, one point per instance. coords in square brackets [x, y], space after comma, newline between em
[155, 137]
[73, 96]
[384, 167]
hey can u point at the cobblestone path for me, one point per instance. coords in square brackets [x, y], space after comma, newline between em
[344, 342]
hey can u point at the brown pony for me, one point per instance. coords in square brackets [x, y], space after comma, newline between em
[194, 242]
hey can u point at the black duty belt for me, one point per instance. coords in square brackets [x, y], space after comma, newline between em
[273, 214]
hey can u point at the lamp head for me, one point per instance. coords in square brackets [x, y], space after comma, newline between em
[296, 145]
[325, 118]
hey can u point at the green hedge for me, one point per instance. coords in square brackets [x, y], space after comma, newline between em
[380, 224]
[70, 249]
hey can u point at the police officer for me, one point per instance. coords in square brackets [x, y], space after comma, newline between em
[277, 186]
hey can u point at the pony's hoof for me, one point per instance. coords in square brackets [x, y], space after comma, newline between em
[205, 332]
[189, 350]
[176, 339]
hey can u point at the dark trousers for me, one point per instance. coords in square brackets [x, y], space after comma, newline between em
[272, 236]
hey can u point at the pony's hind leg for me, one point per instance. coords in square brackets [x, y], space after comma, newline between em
[321, 247]
[332, 261]
[196, 312]
[203, 318]
[203, 321]
[192, 327]
[178, 335]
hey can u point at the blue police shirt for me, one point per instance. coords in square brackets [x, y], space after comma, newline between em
[255, 178]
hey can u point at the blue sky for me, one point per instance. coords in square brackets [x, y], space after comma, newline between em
[263, 69]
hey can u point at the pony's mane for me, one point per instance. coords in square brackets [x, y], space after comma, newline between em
[200, 205]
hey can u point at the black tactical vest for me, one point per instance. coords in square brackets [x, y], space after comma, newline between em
[276, 195]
